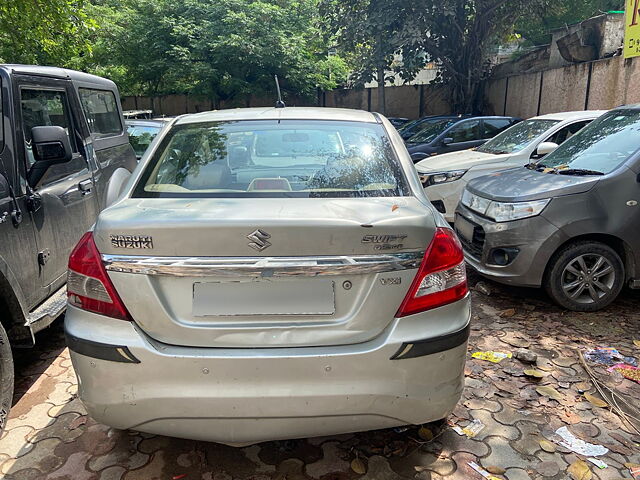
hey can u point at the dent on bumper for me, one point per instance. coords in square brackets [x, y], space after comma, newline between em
[250, 395]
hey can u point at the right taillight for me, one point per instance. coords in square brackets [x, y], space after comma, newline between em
[441, 278]
[88, 285]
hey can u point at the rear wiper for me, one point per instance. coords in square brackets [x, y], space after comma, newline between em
[578, 171]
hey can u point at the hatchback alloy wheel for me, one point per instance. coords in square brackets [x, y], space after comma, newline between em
[585, 276]
[588, 278]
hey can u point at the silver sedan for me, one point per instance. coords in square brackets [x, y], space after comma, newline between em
[269, 274]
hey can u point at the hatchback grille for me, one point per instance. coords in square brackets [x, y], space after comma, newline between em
[476, 245]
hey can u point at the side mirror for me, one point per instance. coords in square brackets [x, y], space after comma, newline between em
[447, 141]
[51, 146]
[545, 148]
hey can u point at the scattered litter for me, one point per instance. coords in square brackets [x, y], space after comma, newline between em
[490, 356]
[547, 446]
[179, 477]
[636, 343]
[532, 372]
[401, 429]
[579, 446]
[627, 371]
[634, 470]
[510, 312]
[495, 470]
[470, 430]
[526, 356]
[608, 356]
[358, 466]
[482, 288]
[598, 463]
[482, 471]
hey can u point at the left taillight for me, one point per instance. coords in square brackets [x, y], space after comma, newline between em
[88, 285]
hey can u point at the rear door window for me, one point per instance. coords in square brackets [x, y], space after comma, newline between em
[493, 126]
[290, 158]
[101, 109]
[465, 131]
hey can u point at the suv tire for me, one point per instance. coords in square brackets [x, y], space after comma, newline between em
[6, 377]
[585, 276]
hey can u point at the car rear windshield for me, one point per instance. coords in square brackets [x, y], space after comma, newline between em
[518, 137]
[287, 158]
[431, 130]
[601, 146]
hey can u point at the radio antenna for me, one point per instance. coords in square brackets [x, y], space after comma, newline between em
[279, 102]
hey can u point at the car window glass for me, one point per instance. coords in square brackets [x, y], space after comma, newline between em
[465, 131]
[429, 131]
[518, 137]
[101, 109]
[567, 132]
[493, 126]
[602, 145]
[290, 158]
[43, 108]
[141, 136]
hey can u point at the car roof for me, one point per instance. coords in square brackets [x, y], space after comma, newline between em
[286, 113]
[45, 71]
[561, 116]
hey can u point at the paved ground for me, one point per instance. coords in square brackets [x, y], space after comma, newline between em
[49, 437]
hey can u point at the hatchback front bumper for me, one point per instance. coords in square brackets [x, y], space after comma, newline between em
[248, 395]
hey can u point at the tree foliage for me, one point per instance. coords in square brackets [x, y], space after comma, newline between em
[456, 34]
[44, 31]
[224, 50]
[535, 28]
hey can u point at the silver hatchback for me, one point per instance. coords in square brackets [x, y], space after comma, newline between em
[269, 274]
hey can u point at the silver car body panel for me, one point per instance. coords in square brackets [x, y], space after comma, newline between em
[242, 396]
[189, 365]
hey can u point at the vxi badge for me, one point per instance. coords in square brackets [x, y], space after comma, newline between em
[385, 242]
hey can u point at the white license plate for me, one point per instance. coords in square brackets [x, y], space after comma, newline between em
[265, 297]
[464, 228]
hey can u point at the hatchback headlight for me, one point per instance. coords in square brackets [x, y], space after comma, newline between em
[428, 179]
[503, 211]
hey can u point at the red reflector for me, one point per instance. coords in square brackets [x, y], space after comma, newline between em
[89, 286]
[441, 278]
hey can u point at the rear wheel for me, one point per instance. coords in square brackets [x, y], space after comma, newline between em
[585, 276]
[6, 377]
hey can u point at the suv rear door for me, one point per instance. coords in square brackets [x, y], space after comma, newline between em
[64, 203]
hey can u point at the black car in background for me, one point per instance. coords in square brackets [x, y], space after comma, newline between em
[142, 132]
[450, 134]
[409, 129]
[398, 122]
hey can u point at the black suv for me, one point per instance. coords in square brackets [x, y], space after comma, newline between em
[450, 134]
[62, 145]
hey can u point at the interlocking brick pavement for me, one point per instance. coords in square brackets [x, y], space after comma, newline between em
[49, 436]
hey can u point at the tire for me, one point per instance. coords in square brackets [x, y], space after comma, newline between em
[6, 377]
[570, 279]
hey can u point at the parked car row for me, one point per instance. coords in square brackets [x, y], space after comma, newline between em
[550, 202]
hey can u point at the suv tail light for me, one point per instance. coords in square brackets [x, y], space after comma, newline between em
[88, 285]
[441, 278]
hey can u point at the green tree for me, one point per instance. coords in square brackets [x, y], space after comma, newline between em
[44, 31]
[535, 28]
[224, 50]
[372, 32]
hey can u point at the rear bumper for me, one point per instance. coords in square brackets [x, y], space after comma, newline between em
[239, 396]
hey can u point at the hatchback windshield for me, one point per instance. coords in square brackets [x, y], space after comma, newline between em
[273, 159]
[432, 129]
[517, 137]
[600, 147]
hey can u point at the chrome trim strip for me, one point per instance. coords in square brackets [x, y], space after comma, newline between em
[262, 266]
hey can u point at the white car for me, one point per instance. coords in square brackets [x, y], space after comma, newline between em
[444, 177]
[270, 273]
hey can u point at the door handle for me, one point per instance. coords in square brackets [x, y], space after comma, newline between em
[85, 186]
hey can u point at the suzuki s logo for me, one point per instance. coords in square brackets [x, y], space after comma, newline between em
[259, 240]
